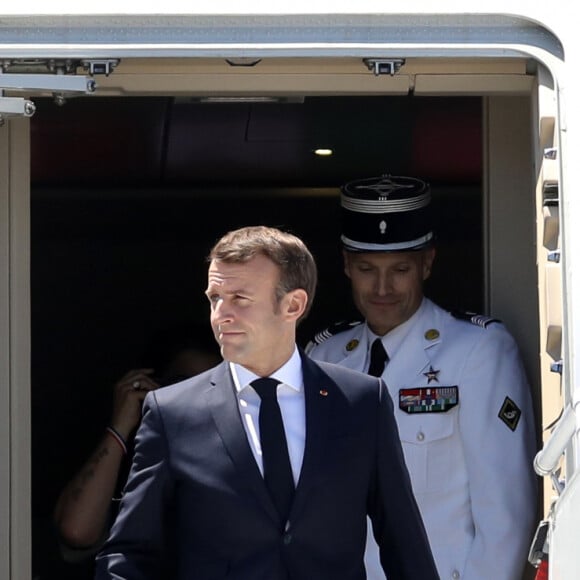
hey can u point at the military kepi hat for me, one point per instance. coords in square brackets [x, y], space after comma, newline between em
[386, 214]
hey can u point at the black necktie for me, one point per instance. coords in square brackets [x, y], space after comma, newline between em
[379, 358]
[277, 470]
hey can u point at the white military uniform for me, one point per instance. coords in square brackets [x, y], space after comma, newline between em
[467, 430]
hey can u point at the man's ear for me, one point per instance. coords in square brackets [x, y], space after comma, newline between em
[297, 301]
[346, 263]
[428, 258]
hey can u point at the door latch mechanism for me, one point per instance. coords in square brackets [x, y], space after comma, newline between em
[46, 77]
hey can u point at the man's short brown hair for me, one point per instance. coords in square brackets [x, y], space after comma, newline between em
[294, 260]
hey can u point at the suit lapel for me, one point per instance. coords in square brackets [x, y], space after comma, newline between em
[223, 405]
[319, 404]
[319, 408]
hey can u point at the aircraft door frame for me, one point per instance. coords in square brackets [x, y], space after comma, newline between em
[15, 482]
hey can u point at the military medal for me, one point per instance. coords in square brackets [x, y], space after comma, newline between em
[428, 400]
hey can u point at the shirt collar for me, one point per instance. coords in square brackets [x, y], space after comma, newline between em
[290, 373]
[393, 339]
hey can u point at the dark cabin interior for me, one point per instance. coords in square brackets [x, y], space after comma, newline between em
[129, 194]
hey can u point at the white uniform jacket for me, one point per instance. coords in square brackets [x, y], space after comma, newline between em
[464, 412]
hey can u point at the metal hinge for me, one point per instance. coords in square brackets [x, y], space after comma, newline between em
[57, 78]
[554, 256]
[384, 66]
[539, 547]
[100, 67]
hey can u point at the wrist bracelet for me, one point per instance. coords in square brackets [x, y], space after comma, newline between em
[118, 438]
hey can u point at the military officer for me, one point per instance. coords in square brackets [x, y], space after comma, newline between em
[462, 402]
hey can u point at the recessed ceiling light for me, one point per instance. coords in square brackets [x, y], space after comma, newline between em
[323, 152]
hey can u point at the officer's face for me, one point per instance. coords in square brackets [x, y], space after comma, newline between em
[387, 287]
[253, 328]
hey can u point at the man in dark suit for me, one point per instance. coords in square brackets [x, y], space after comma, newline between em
[265, 467]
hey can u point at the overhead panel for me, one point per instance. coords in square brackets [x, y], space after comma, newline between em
[314, 76]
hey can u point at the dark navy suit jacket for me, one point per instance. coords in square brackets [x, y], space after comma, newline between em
[196, 503]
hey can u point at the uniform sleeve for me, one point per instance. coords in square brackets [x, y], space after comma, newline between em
[397, 524]
[135, 546]
[498, 433]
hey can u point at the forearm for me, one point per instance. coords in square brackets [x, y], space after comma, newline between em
[143, 511]
[81, 513]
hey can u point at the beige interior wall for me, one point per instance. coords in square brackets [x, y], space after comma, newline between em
[524, 286]
[509, 212]
[510, 232]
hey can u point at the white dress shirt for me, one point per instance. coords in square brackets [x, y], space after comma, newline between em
[393, 340]
[291, 401]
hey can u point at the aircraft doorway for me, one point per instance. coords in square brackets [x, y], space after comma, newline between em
[128, 194]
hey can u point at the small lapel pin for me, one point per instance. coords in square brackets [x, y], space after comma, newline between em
[351, 344]
[323, 393]
[432, 334]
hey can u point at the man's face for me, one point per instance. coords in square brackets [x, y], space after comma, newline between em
[251, 328]
[387, 287]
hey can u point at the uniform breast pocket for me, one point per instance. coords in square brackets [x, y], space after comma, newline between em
[432, 448]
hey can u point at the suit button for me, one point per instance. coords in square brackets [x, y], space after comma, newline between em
[420, 436]
[455, 575]
[287, 539]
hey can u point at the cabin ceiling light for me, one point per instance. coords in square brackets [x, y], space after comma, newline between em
[238, 99]
[323, 152]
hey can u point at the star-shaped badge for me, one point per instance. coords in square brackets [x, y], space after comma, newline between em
[431, 374]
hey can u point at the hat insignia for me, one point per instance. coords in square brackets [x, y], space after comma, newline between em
[383, 226]
[351, 344]
[384, 187]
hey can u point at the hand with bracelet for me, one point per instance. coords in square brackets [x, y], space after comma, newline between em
[82, 513]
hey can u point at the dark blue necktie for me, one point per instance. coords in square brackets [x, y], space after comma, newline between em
[379, 358]
[275, 458]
